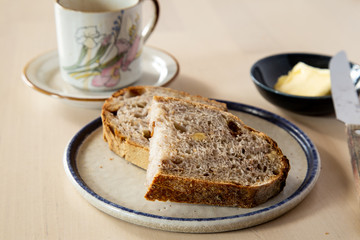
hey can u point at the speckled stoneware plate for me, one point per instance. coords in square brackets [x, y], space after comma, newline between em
[117, 187]
[42, 74]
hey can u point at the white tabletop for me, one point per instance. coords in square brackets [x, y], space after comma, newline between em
[215, 42]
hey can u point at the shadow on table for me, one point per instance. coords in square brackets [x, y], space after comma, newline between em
[192, 86]
[333, 185]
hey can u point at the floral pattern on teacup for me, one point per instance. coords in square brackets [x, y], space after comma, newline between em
[103, 56]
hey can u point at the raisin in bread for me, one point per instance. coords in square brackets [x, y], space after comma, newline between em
[125, 120]
[200, 154]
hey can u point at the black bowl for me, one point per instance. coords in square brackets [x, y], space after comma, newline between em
[266, 72]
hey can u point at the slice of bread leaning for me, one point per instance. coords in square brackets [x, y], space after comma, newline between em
[126, 124]
[200, 154]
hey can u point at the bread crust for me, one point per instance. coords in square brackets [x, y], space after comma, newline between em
[123, 147]
[123, 144]
[195, 191]
[177, 188]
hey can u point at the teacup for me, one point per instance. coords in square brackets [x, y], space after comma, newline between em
[100, 41]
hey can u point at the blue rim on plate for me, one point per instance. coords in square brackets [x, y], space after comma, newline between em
[310, 151]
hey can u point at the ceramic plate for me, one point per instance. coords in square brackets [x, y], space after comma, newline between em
[117, 187]
[43, 74]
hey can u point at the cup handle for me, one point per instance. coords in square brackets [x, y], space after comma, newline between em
[149, 27]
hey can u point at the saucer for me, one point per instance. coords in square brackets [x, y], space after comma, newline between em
[42, 74]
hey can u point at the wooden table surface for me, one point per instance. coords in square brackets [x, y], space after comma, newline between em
[215, 42]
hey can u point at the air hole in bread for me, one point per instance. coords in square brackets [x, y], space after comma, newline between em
[206, 174]
[146, 134]
[134, 92]
[114, 113]
[176, 160]
[138, 115]
[141, 104]
[250, 180]
[234, 129]
[268, 148]
[179, 127]
[275, 172]
[258, 166]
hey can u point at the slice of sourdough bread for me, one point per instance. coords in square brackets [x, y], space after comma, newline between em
[200, 154]
[126, 124]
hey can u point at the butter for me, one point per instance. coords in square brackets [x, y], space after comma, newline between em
[305, 80]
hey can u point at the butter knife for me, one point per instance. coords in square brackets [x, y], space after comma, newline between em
[347, 108]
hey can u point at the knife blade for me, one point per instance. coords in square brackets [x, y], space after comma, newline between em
[347, 108]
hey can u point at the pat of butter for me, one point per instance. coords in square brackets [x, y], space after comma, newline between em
[305, 80]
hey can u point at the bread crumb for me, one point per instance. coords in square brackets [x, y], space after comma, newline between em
[327, 233]
[101, 166]
[111, 159]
